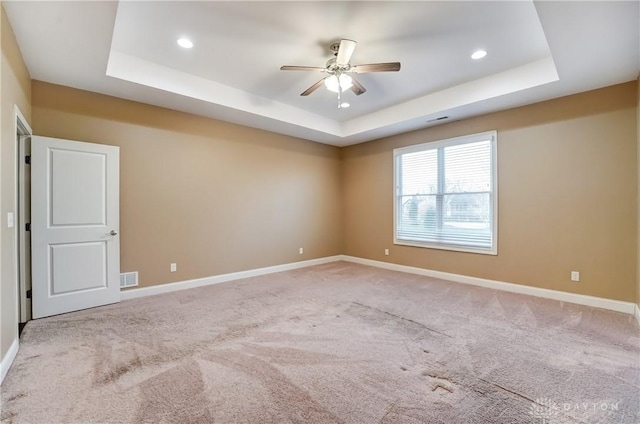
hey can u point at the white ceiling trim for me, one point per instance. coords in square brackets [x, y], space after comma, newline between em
[517, 79]
[139, 71]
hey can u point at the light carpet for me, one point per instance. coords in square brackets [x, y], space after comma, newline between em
[334, 343]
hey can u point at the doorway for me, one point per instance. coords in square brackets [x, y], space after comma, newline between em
[67, 247]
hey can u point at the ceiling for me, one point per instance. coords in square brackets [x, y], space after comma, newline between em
[536, 51]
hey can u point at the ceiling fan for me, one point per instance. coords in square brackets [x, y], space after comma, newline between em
[340, 71]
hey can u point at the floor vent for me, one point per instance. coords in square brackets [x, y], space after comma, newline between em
[129, 279]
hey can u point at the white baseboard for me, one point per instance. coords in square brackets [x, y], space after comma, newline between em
[8, 359]
[223, 278]
[581, 299]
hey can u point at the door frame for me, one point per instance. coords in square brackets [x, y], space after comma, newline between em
[22, 128]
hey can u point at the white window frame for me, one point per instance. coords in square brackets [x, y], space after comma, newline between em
[397, 153]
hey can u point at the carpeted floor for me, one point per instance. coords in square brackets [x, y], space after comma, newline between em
[335, 343]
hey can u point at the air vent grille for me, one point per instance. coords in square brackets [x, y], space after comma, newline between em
[129, 279]
[442, 118]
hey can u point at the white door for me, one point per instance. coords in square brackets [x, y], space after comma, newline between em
[75, 247]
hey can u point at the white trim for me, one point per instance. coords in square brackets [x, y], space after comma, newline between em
[18, 115]
[21, 127]
[580, 299]
[223, 278]
[8, 359]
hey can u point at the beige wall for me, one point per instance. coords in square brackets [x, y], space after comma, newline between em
[567, 180]
[16, 90]
[211, 196]
[201, 192]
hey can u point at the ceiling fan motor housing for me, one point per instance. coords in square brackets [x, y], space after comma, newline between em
[333, 67]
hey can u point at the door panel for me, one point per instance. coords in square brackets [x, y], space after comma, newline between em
[77, 201]
[78, 266]
[74, 225]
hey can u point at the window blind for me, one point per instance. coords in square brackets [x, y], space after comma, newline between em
[445, 194]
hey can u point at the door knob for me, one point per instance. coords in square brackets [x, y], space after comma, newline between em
[113, 233]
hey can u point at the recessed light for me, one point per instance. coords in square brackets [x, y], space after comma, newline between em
[344, 105]
[185, 43]
[478, 54]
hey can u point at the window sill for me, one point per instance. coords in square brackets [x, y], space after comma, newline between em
[465, 249]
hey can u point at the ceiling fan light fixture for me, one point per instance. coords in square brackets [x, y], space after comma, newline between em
[344, 81]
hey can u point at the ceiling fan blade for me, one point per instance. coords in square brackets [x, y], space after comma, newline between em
[377, 67]
[357, 87]
[301, 68]
[345, 51]
[313, 88]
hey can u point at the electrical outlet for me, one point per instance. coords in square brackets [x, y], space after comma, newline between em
[575, 276]
[301, 250]
[174, 267]
[386, 252]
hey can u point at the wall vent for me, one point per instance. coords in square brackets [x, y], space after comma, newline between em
[129, 279]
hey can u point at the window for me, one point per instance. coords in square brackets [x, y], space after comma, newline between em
[446, 195]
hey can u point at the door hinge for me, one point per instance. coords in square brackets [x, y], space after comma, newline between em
[27, 160]
[29, 294]
[27, 227]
